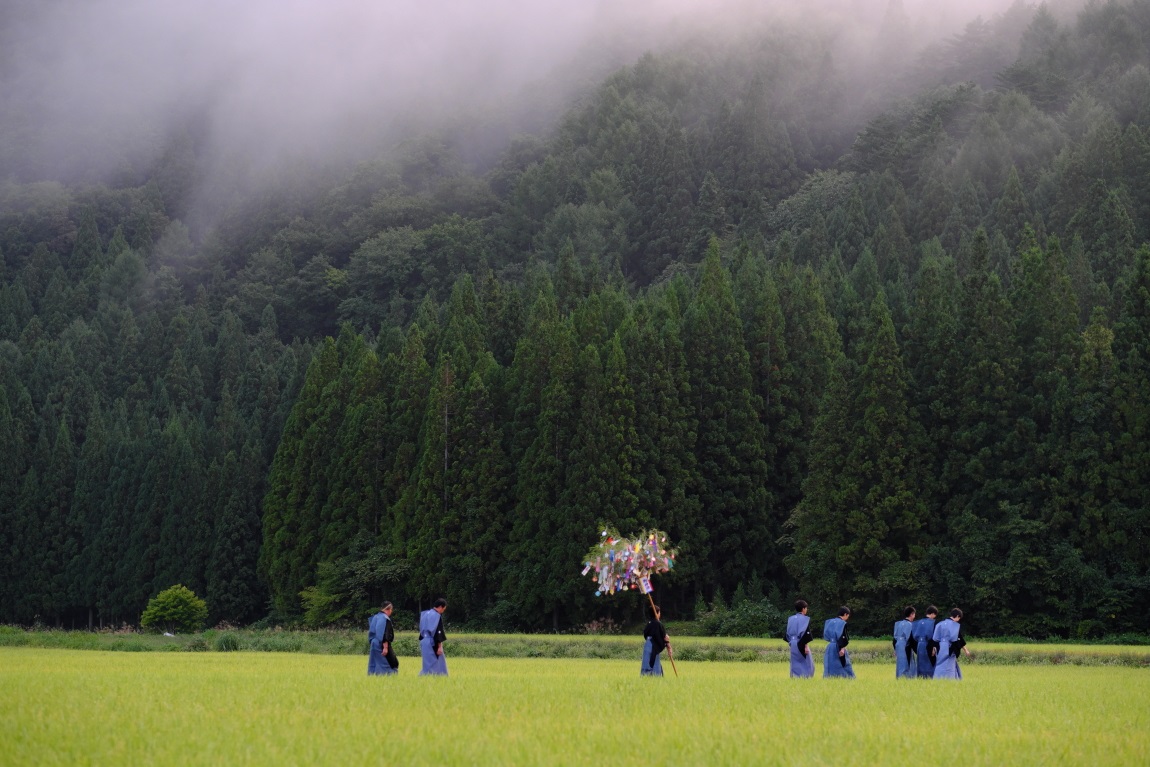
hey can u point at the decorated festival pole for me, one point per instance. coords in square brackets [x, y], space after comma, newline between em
[620, 564]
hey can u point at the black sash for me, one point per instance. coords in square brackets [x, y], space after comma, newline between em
[438, 638]
[957, 645]
[658, 636]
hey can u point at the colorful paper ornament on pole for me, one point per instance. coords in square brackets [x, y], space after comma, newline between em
[620, 564]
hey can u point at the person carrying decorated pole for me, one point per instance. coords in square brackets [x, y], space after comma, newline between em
[623, 564]
[836, 658]
[903, 642]
[948, 634]
[381, 658]
[923, 635]
[799, 638]
[655, 640]
[431, 639]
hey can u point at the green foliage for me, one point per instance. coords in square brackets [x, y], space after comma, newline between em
[347, 589]
[747, 618]
[905, 360]
[730, 443]
[175, 609]
[227, 642]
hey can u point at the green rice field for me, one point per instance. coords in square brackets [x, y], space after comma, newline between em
[239, 708]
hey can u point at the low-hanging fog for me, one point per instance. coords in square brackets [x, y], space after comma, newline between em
[94, 89]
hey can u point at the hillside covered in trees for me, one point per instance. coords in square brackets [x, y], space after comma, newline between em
[867, 341]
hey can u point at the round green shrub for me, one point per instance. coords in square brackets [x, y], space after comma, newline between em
[177, 610]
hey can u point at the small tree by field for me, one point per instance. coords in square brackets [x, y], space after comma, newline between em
[176, 609]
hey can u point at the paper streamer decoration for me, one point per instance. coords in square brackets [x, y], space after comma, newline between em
[620, 564]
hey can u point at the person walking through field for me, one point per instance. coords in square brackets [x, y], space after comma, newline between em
[904, 667]
[431, 639]
[836, 658]
[655, 640]
[948, 635]
[799, 638]
[923, 636]
[381, 658]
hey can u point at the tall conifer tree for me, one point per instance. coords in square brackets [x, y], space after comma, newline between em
[482, 493]
[729, 449]
[544, 534]
[665, 426]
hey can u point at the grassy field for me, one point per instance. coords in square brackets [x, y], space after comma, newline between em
[109, 708]
[619, 647]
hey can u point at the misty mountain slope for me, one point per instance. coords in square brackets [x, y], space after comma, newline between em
[865, 339]
[624, 174]
[623, 179]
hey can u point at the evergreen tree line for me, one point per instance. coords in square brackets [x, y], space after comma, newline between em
[897, 363]
[988, 451]
[137, 433]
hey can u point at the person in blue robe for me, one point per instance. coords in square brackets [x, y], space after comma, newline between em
[655, 640]
[948, 634]
[431, 639]
[799, 638]
[837, 659]
[923, 635]
[904, 666]
[381, 658]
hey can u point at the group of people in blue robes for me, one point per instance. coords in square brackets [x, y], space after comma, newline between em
[655, 640]
[836, 657]
[922, 648]
[381, 657]
[935, 645]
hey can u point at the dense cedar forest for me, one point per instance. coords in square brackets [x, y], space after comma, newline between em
[864, 346]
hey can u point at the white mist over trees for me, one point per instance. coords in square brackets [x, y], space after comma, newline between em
[96, 89]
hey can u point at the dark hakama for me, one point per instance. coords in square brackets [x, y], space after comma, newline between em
[904, 667]
[379, 631]
[833, 663]
[946, 665]
[798, 635]
[654, 642]
[431, 637]
[922, 633]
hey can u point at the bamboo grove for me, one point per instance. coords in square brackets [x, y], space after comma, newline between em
[899, 360]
